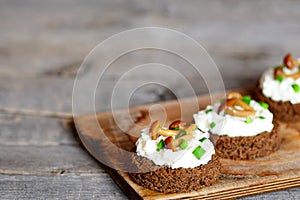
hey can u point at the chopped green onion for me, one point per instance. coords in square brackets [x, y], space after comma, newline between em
[261, 117]
[279, 79]
[208, 111]
[202, 139]
[249, 120]
[180, 134]
[247, 99]
[264, 105]
[299, 67]
[199, 152]
[160, 145]
[183, 144]
[176, 129]
[212, 125]
[296, 88]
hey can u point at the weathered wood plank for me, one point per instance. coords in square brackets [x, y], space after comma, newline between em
[46, 160]
[71, 186]
[50, 37]
[292, 193]
[85, 186]
[37, 93]
[48, 40]
[242, 47]
[22, 130]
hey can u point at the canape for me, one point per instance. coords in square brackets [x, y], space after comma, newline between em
[280, 88]
[176, 159]
[240, 128]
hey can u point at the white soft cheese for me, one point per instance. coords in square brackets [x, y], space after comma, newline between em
[280, 91]
[234, 126]
[146, 147]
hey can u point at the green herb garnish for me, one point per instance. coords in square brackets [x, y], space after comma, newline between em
[261, 117]
[202, 139]
[247, 99]
[199, 152]
[212, 125]
[180, 134]
[279, 79]
[249, 120]
[299, 67]
[208, 111]
[183, 144]
[296, 88]
[264, 105]
[176, 129]
[160, 145]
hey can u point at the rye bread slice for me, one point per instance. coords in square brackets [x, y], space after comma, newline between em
[249, 147]
[283, 111]
[167, 180]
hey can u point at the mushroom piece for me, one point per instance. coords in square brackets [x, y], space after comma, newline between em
[191, 128]
[234, 95]
[279, 72]
[230, 100]
[169, 143]
[288, 61]
[239, 113]
[177, 125]
[225, 104]
[235, 106]
[246, 110]
[156, 130]
[243, 105]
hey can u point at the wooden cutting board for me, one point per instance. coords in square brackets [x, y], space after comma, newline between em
[278, 171]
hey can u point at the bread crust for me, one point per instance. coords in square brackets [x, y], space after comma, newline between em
[167, 180]
[283, 111]
[249, 147]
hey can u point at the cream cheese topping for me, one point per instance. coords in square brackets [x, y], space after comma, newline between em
[280, 91]
[233, 126]
[146, 147]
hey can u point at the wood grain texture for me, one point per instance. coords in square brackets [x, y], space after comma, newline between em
[40, 51]
[46, 160]
[42, 44]
[24, 130]
[37, 93]
[66, 186]
[280, 170]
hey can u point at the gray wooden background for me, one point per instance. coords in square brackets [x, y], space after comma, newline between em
[42, 44]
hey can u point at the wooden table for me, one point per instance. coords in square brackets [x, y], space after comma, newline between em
[43, 43]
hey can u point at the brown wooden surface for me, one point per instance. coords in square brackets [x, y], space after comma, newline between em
[280, 170]
[42, 44]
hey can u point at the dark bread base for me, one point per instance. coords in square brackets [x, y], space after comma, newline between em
[166, 180]
[247, 148]
[283, 111]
